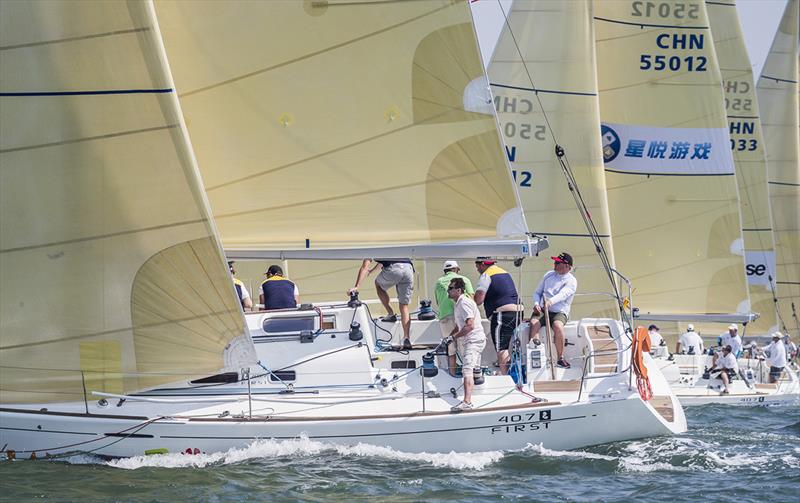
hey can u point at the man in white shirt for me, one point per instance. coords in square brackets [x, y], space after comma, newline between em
[554, 294]
[469, 336]
[690, 342]
[658, 346]
[776, 357]
[241, 290]
[733, 339]
[722, 364]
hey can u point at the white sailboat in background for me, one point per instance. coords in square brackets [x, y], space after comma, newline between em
[747, 146]
[544, 86]
[777, 91]
[152, 355]
[671, 188]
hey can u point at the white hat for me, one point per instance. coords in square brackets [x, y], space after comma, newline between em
[450, 264]
[777, 335]
[733, 326]
[690, 327]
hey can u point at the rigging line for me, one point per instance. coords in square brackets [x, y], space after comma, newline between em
[776, 303]
[646, 25]
[571, 182]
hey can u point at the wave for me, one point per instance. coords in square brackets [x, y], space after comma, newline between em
[302, 447]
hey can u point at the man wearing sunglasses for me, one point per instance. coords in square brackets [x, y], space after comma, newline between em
[469, 337]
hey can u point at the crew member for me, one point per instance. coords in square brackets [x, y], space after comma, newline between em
[469, 337]
[554, 294]
[721, 365]
[497, 293]
[398, 273]
[658, 346]
[446, 306]
[733, 339]
[241, 290]
[690, 342]
[776, 357]
[277, 292]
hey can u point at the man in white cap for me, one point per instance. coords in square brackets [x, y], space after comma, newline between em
[733, 339]
[776, 357]
[446, 306]
[690, 342]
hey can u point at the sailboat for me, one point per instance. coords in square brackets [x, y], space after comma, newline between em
[777, 91]
[142, 347]
[672, 192]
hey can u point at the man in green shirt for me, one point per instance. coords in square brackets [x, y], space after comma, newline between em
[446, 306]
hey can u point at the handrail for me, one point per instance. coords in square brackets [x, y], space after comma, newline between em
[594, 353]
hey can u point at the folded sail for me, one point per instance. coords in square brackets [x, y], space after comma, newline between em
[672, 194]
[778, 98]
[111, 276]
[544, 82]
[747, 146]
[333, 124]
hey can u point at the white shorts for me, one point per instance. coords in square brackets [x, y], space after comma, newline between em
[447, 325]
[471, 351]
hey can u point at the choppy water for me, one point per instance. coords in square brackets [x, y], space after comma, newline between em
[750, 454]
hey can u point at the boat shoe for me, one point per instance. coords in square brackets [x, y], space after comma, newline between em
[461, 406]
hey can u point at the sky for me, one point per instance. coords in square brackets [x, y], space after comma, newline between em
[759, 20]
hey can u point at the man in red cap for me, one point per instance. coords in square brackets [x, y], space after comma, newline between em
[555, 293]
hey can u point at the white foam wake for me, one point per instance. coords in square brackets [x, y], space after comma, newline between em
[303, 446]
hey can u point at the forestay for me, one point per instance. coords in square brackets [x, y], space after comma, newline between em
[337, 124]
[111, 276]
[544, 82]
[747, 146]
[671, 189]
[778, 97]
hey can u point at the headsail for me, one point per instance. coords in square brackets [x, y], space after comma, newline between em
[335, 124]
[544, 81]
[671, 191]
[111, 276]
[778, 99]
[747, 146]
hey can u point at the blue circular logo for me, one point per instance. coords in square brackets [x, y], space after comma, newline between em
[611, 143]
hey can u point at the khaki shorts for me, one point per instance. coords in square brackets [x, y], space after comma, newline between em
[447, 325]
[400, 275]
[553, 318]
[471, 351]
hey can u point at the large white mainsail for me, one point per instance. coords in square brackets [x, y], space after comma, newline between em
[671, 191]
[747, 146]
[111, 276]
[778, 99]
[544, 83]
[337, 124]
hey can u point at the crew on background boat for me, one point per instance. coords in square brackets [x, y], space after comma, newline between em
[775, 352]
[278, 292]
[446, 306]
[791, 349]
[468, 335]
[554, 294]
[398, 273]
[498, 294]
[723, 365]
[690, 342]
[658, 346]
[241, 290]
[731, 338]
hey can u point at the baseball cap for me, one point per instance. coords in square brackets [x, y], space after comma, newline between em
[450, 264]
[563, 257]
[733, 326]
[777, 335]
[653, 327]
[485, 260]
[690, 327]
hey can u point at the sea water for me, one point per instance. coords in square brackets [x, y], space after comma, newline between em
[728, 454]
